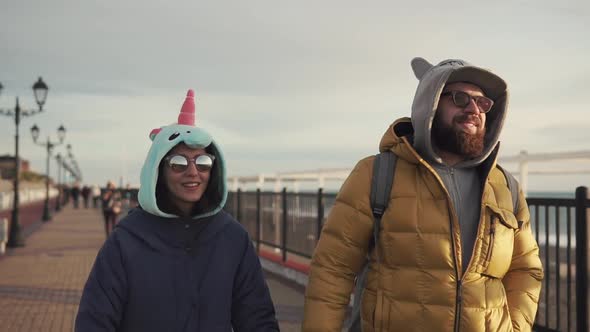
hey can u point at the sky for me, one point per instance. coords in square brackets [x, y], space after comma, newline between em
[283, 86]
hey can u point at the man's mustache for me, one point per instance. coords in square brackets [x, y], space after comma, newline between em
[468, 118]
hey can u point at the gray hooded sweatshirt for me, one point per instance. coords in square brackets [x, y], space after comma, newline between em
[463, 181]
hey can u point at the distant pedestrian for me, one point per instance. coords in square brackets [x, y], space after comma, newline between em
[67, 191]
[76, 195]
[95, 195]
[85, 195]
[178, 262]
[127, 197]
[111, 207]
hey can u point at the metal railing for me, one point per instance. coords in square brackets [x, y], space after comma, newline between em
[560, 228]
[285, 221]
[291, 223]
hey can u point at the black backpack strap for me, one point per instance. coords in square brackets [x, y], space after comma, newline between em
[381, 184]
[512, 186]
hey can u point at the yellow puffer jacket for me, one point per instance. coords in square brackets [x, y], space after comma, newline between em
[419, 285]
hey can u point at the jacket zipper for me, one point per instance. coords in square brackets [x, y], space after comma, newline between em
[492, 235]
[452, 216]
[459, 281]
[459, 302]
[458, 295]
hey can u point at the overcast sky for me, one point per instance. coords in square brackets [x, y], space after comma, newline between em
[283, 86]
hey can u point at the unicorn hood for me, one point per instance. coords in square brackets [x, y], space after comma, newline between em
[165, 139]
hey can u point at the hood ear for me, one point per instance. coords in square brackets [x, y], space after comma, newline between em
[420, 66]
[154, 133]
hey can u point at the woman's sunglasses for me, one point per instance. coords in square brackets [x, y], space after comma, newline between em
[179, 163]
[462, 99]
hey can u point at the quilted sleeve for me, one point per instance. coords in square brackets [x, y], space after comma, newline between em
[340, 253]
[523, 280]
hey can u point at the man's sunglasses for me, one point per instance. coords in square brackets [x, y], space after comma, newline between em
[462, 99]
[179, 163]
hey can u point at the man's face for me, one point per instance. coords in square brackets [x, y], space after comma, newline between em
[459, 130]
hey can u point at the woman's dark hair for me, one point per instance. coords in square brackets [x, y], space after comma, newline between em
[211, 197]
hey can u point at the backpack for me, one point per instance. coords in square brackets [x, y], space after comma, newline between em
[381, 184]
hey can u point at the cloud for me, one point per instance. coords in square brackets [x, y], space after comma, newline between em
[281, 86]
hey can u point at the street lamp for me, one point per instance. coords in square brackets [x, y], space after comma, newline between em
[71, 173]
[75, 170]
[64, 181]
[61, 134]
[40, 90]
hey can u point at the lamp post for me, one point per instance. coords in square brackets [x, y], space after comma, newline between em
[59, 186]
[66, 176]
[75, 170]
[40, 90]
[70, 174]
[61, 134]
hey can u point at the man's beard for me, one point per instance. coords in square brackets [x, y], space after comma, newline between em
[455, 140]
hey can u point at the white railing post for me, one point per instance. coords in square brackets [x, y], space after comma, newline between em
[278, 185]
[3, 235]
[523, 169]
[260, 182]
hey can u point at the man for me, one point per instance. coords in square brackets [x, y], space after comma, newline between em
[76, 194]
[452, 255]
[95, 195]
[110, 204]
[85, 195]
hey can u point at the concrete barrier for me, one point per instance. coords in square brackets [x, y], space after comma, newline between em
[30, 214]
[293, 271]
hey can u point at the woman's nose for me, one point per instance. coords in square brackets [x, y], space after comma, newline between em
[192, 169]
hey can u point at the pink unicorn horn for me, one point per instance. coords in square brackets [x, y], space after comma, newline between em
[187, 112]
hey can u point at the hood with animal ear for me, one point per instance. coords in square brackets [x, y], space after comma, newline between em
[432, 80]
[165, 139]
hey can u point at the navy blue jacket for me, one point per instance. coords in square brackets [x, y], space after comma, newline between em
[162, 274]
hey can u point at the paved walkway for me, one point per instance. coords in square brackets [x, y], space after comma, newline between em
[41, 283]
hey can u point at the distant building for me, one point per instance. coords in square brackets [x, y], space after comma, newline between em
[7, 167]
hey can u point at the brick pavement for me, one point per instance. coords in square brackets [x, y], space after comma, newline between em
[288, 302]
[41, 283]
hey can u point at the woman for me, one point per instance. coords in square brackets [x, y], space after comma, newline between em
[111, 207]
[178, 262]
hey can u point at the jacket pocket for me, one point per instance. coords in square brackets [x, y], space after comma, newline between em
[500, 239]
[368, 304]
[498, 318]
[381, 312]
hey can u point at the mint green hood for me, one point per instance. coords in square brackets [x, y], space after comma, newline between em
[165, 139]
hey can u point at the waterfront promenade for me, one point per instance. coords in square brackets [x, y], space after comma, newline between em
[41, 283]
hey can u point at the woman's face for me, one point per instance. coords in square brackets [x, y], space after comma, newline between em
[187, 187]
